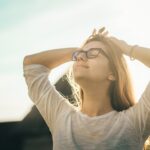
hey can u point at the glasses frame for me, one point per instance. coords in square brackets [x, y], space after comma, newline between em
[76, 53]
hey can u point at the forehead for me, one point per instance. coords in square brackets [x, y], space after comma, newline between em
[94, 44]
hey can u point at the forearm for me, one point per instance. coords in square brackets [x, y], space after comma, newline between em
[50, 58]
[142, 54]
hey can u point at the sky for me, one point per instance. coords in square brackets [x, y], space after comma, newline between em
[32, 26]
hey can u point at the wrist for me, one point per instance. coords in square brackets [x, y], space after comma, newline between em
[132, 51]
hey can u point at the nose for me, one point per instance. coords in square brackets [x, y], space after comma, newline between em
[82, 56]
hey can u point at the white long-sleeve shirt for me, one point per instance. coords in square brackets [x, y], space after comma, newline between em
[73, 130]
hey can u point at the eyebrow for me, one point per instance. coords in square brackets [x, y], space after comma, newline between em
[91, 48]
[95, 48]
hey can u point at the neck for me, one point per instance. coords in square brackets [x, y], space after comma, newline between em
[96, 100]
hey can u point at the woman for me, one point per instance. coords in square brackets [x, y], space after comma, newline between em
[107, 117]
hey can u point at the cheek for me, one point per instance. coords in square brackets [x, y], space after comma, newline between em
[100, 70]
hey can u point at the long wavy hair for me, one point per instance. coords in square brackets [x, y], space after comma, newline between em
[120, 91]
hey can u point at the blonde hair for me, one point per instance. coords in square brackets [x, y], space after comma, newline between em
[120, 91]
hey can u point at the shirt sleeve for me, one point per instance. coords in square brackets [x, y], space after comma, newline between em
[47, 99]
[139, 115]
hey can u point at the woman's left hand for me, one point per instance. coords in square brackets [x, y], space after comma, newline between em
[124, 47]
[133, 51]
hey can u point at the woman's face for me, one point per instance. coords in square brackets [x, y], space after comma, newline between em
[94, 69]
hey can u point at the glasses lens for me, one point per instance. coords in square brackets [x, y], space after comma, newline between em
[103, 53]
[92, 53]
[74, 56]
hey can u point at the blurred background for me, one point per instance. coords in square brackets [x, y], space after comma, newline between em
[32, 26]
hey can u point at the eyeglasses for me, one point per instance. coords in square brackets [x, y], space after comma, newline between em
[91, 53]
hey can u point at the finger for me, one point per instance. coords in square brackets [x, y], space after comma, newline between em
[94, 31]
[114, 40]
[105, 33]
[101, 30]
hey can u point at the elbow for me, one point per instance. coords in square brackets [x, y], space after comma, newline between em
[27, 60]
[147, 63]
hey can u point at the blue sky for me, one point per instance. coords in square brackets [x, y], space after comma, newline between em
[34, 25]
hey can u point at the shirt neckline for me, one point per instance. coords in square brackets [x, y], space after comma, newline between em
[96, 117]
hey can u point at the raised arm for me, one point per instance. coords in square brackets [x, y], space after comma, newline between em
[139, 114]
[135, 52]
[50, 58]
[47, 99]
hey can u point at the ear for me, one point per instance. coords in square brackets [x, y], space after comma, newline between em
[111, 77]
